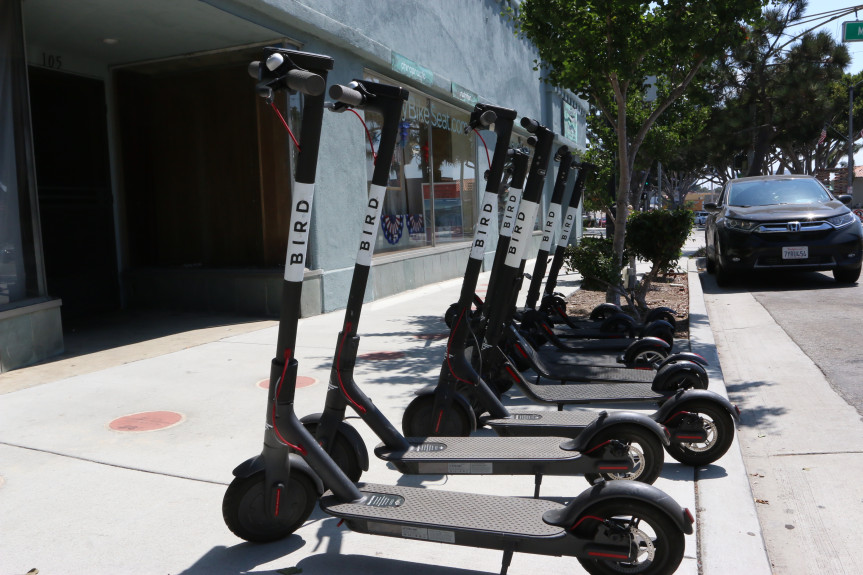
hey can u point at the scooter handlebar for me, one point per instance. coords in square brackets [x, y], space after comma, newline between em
[347, 95]
[529, 124]
[306, 82]
[295, 79]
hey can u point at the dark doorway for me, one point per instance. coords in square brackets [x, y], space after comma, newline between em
[70, 140]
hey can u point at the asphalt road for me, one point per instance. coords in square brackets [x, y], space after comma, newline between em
[824, 318]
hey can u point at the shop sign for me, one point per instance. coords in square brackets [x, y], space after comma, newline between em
[463, 94]
[412, 70]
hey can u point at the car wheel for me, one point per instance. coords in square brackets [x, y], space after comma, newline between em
[711, 262]
[723, 276]
[711, 265]
[846, 275]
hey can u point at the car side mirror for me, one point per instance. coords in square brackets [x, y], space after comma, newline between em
[845, 199]
[711, 207]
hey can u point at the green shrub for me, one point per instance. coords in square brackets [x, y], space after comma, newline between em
[593, 258]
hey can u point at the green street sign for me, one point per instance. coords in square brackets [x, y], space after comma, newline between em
[412, 70]
[852, 31]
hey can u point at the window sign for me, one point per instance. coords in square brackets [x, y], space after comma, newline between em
[412, 70]
[570, 122]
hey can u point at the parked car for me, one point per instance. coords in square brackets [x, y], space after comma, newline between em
[700, 218]
[782, 222]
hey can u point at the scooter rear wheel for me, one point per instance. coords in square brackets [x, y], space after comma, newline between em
[341, 452]
[419, 419]
[720, 433]
[644, 447]
[244, 507]
[659, 540]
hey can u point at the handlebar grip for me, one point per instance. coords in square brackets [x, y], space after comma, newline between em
[487, 118]
[346, 95]
[255, 69]
[529, 124]
[306, 82]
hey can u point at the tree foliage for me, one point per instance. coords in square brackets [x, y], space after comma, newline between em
[605, 49]
[777, 91]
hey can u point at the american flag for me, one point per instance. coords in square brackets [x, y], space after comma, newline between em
[823, 136]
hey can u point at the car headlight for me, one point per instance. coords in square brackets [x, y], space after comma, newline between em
[740, 225]
[842, 220]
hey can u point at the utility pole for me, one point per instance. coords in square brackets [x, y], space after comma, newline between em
[850, 189]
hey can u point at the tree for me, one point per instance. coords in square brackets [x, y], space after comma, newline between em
[777, 92]
[605, 49]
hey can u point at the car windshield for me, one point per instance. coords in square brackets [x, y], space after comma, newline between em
[771, 192]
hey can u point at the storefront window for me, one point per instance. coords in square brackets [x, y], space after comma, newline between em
[18, 272]
[431, 196]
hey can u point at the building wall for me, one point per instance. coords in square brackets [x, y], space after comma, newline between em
[467, 48]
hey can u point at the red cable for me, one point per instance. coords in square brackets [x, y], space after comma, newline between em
[487, 157]
[275, 402]
[282, 118]
[371, 145]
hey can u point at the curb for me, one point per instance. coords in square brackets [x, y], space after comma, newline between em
[730, 539]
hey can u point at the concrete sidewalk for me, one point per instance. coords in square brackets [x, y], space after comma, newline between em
[84, 488]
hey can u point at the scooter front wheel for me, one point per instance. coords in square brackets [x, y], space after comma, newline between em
[718, 424]
[245, 514]
[644, 449]
[659, 542]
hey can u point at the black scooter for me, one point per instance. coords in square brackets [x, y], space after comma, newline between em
[618, 445]
[611, 526]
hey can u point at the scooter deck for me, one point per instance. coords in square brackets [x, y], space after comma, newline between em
[443, 516]
[495, 455]
[584, 393]
[533, 423]
[571, 366]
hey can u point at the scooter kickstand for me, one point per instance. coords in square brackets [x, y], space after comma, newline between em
[507, 559]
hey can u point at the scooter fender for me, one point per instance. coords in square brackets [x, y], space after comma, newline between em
[568, 517]
[663, 313]
[351, 435]
[604, 310]
[607, 420]
[457, 396]
[684, 356]
[258, 463]
[658, 328]
[669, 378]
[677, 403]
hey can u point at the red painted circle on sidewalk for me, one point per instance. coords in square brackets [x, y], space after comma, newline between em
[432, 336]
[302, 381]
[147, 421]
[382, 355]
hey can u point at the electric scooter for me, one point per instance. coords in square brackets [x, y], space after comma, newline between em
[701, 422]
[617, 445]
[610, 526]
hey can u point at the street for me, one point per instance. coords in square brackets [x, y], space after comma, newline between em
[786, 348]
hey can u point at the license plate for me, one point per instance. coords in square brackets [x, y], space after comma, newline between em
[795, 252]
